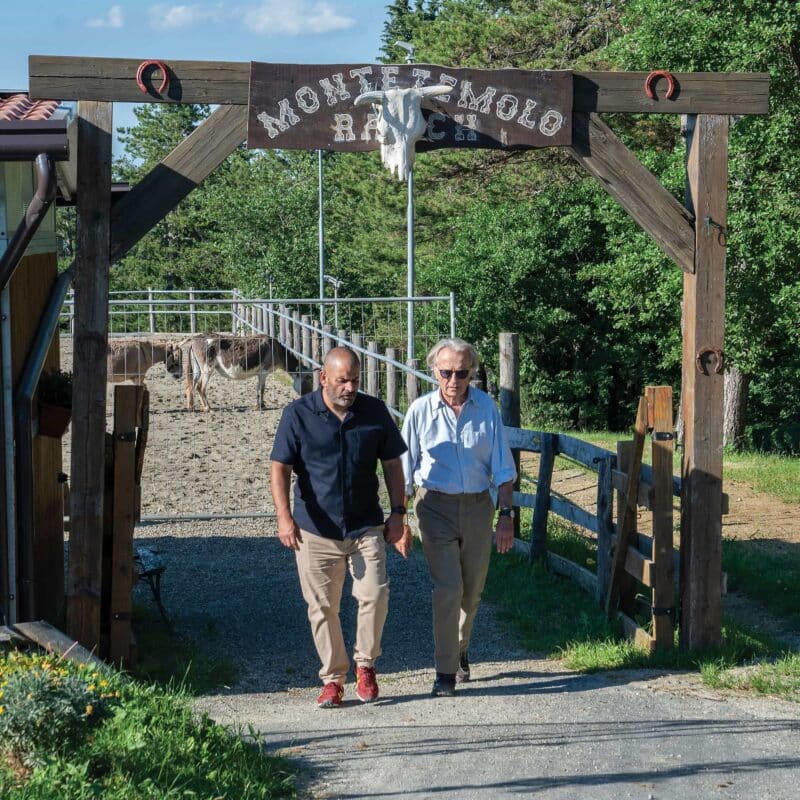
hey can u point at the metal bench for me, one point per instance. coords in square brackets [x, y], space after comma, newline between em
[150, 567]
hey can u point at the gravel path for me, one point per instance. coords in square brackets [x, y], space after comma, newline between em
[524, 727]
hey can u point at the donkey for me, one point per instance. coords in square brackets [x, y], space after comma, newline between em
[130, 359]
[237, 358]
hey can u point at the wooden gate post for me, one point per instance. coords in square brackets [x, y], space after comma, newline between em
[541, 508]
[127, 403]
[702, 387]
[392, 375]
[89, 370]
[509, 399]
[373, 374]
[659, 402]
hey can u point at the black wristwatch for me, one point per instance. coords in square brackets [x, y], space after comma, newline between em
[506, 511]
[401, 510]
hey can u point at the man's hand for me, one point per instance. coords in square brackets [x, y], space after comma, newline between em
[504, 534]
[289, 533]
[393, 529]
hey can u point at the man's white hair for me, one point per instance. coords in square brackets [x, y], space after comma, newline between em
[457, 346]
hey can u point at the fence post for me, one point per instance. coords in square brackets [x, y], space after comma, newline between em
[373, 375]
[509, 398]
[192, 313]
[327, 332]
[358, 341]
[342, 334]
[152, 312]
[391, 378]
[305, 334]
[605, 525]
[283, 324]
[234, 292]
[316, 351]
[412, 381]
[660, 410]
[297, 343]
[627, 587]
[541, 507]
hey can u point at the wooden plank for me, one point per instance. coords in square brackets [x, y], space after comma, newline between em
[569, 569]
[392, 378]
[567, 510]
[659, 402]
[524, 499]
[629, 516]
[169, 182]
[53, 640]
[605, 525]
[521, 439]
[639, 567]
[89, 372]
[695, 93]
[583, 452]
[227, 82]
[636, 189]
[510, 399]
[641, 638]
[126, 402]
[542, 505]
[114, 79]
[702, 406]
[143, 425]
[645, 493]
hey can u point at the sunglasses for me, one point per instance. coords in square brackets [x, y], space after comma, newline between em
[459, 373]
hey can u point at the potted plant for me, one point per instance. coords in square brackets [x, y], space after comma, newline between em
[55, 403]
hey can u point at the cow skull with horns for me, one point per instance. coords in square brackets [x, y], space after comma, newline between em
[400, 123]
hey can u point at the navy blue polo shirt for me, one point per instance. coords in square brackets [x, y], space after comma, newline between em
[336, 492]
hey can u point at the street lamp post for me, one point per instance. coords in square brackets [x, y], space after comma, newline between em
[409, 48]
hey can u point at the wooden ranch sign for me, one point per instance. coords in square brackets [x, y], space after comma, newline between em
[310, 106]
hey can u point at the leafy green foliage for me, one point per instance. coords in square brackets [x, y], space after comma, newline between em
[46, 708]
[151, 746]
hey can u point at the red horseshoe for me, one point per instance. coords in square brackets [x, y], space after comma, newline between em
[152, 63]
[659, 73]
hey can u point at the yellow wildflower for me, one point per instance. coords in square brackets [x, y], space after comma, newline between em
[90, 687]
[89, 710]
[2, 709]
[103, 684]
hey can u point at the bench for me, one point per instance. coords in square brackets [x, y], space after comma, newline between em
[149, 566]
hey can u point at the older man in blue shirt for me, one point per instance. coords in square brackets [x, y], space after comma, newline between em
[457, 456]
[332, 440]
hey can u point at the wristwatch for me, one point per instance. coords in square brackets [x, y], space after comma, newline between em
[507, 511]
[401, 510]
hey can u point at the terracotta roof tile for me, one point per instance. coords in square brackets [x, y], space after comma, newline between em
[19, 107]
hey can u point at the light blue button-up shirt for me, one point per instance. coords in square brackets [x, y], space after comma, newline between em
[456, 454]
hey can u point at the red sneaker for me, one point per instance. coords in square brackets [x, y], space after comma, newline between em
[331, 696]
[366, 684]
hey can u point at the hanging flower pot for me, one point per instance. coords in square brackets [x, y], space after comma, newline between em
[55, 403]
[53, 420]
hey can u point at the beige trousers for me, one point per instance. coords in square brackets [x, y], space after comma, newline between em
[456, 532]
[321, 565]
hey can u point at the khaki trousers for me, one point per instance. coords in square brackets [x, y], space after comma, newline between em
[456, 532]
[321, 565]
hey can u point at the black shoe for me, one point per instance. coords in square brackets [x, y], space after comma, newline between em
[444, 685]
[462, 673]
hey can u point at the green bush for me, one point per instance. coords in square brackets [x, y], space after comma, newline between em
[774, 438]
[47, 709]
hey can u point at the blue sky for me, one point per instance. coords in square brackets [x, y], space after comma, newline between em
[301, 31]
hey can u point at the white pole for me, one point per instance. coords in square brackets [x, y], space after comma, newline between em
[321, 243]
[410, 276]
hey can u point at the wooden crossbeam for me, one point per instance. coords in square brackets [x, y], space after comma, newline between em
[634, 187]
[640, 567]
[170, 181]
[629, 518]
[227, 83]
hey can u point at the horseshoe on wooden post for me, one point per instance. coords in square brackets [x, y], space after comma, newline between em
[700, 360]
[159, 65]
[650, 79]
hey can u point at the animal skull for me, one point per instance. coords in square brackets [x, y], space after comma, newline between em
[400, 123]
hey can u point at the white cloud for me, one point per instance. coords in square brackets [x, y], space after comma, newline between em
[295, 18]
[177, 17]
[112, 19]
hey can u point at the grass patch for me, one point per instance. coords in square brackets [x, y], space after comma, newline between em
[765, 571]
[780, 678]
[151, 747]
[549, 615]
[776, 475]
[171, 659]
